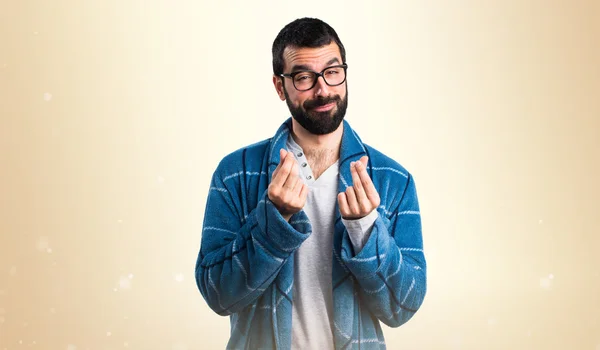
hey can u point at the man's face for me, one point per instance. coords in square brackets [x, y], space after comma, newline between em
[319, 110]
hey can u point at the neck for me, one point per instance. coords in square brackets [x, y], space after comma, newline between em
[321, 150]
[318, 144]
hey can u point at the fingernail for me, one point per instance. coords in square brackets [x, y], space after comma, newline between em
[351, 164]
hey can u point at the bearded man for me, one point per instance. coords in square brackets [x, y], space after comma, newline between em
[311, 237]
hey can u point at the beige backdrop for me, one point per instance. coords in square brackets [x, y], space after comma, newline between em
[114, 114]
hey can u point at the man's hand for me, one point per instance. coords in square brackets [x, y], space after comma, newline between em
[361, 198]
[286, 190]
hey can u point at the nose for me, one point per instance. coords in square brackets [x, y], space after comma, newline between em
[321, 87]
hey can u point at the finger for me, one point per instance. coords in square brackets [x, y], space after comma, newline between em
[356, 182]
[366, 182]
[343, 204]
[284, 171]
[299, 197]
[352, 203]
[364, 160]
[303, 193]
[291, 183]
[282, 154]
[361, 197]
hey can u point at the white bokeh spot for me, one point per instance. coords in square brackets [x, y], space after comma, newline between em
[43, 244]
[546, 282]
[47, 96]
[125, 282]
[179, 277]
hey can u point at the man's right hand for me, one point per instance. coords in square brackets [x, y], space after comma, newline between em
[287, 191]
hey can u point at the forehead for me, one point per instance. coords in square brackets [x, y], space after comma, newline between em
[314, 58]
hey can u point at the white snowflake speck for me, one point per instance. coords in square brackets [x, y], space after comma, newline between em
[49, 250]
[13, 271]
[47, 96]
[43, 244]
[551, 276]
[545, 283]
[179, 277]
[36, 33]
[108, 334]
[71, 347]
[120, 221]
[491, 321]
[125, 344]
[540, 221]
[130, 276]
[160, 179]
[125, 282]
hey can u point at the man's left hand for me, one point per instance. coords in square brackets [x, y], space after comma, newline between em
[361, 198]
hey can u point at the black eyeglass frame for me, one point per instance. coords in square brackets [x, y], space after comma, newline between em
[293, 74]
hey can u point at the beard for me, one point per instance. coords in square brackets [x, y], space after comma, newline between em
[319, 123]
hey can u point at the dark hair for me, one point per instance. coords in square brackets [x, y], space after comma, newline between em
[303, 32]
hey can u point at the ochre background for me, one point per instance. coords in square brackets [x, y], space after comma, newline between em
[114, 114]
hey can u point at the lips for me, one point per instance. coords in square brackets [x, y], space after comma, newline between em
[324, 108]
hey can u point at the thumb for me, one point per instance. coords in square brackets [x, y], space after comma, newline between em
[364, 160]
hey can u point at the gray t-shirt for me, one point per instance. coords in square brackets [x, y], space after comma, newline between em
[312, 310]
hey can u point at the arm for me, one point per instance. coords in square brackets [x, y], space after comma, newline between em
[239, 260]
[391, 267]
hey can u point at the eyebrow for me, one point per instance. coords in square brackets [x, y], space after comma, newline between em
[302, 67]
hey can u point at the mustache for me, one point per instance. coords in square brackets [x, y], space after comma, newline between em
[321, 101]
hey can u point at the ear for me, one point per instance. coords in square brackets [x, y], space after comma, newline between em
[278, 83]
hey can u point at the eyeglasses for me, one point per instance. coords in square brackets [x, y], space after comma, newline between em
[306, 79]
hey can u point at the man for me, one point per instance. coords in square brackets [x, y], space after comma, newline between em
[311, 237]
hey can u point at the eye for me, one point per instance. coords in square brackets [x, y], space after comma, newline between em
[302, 76]
[332, 71]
